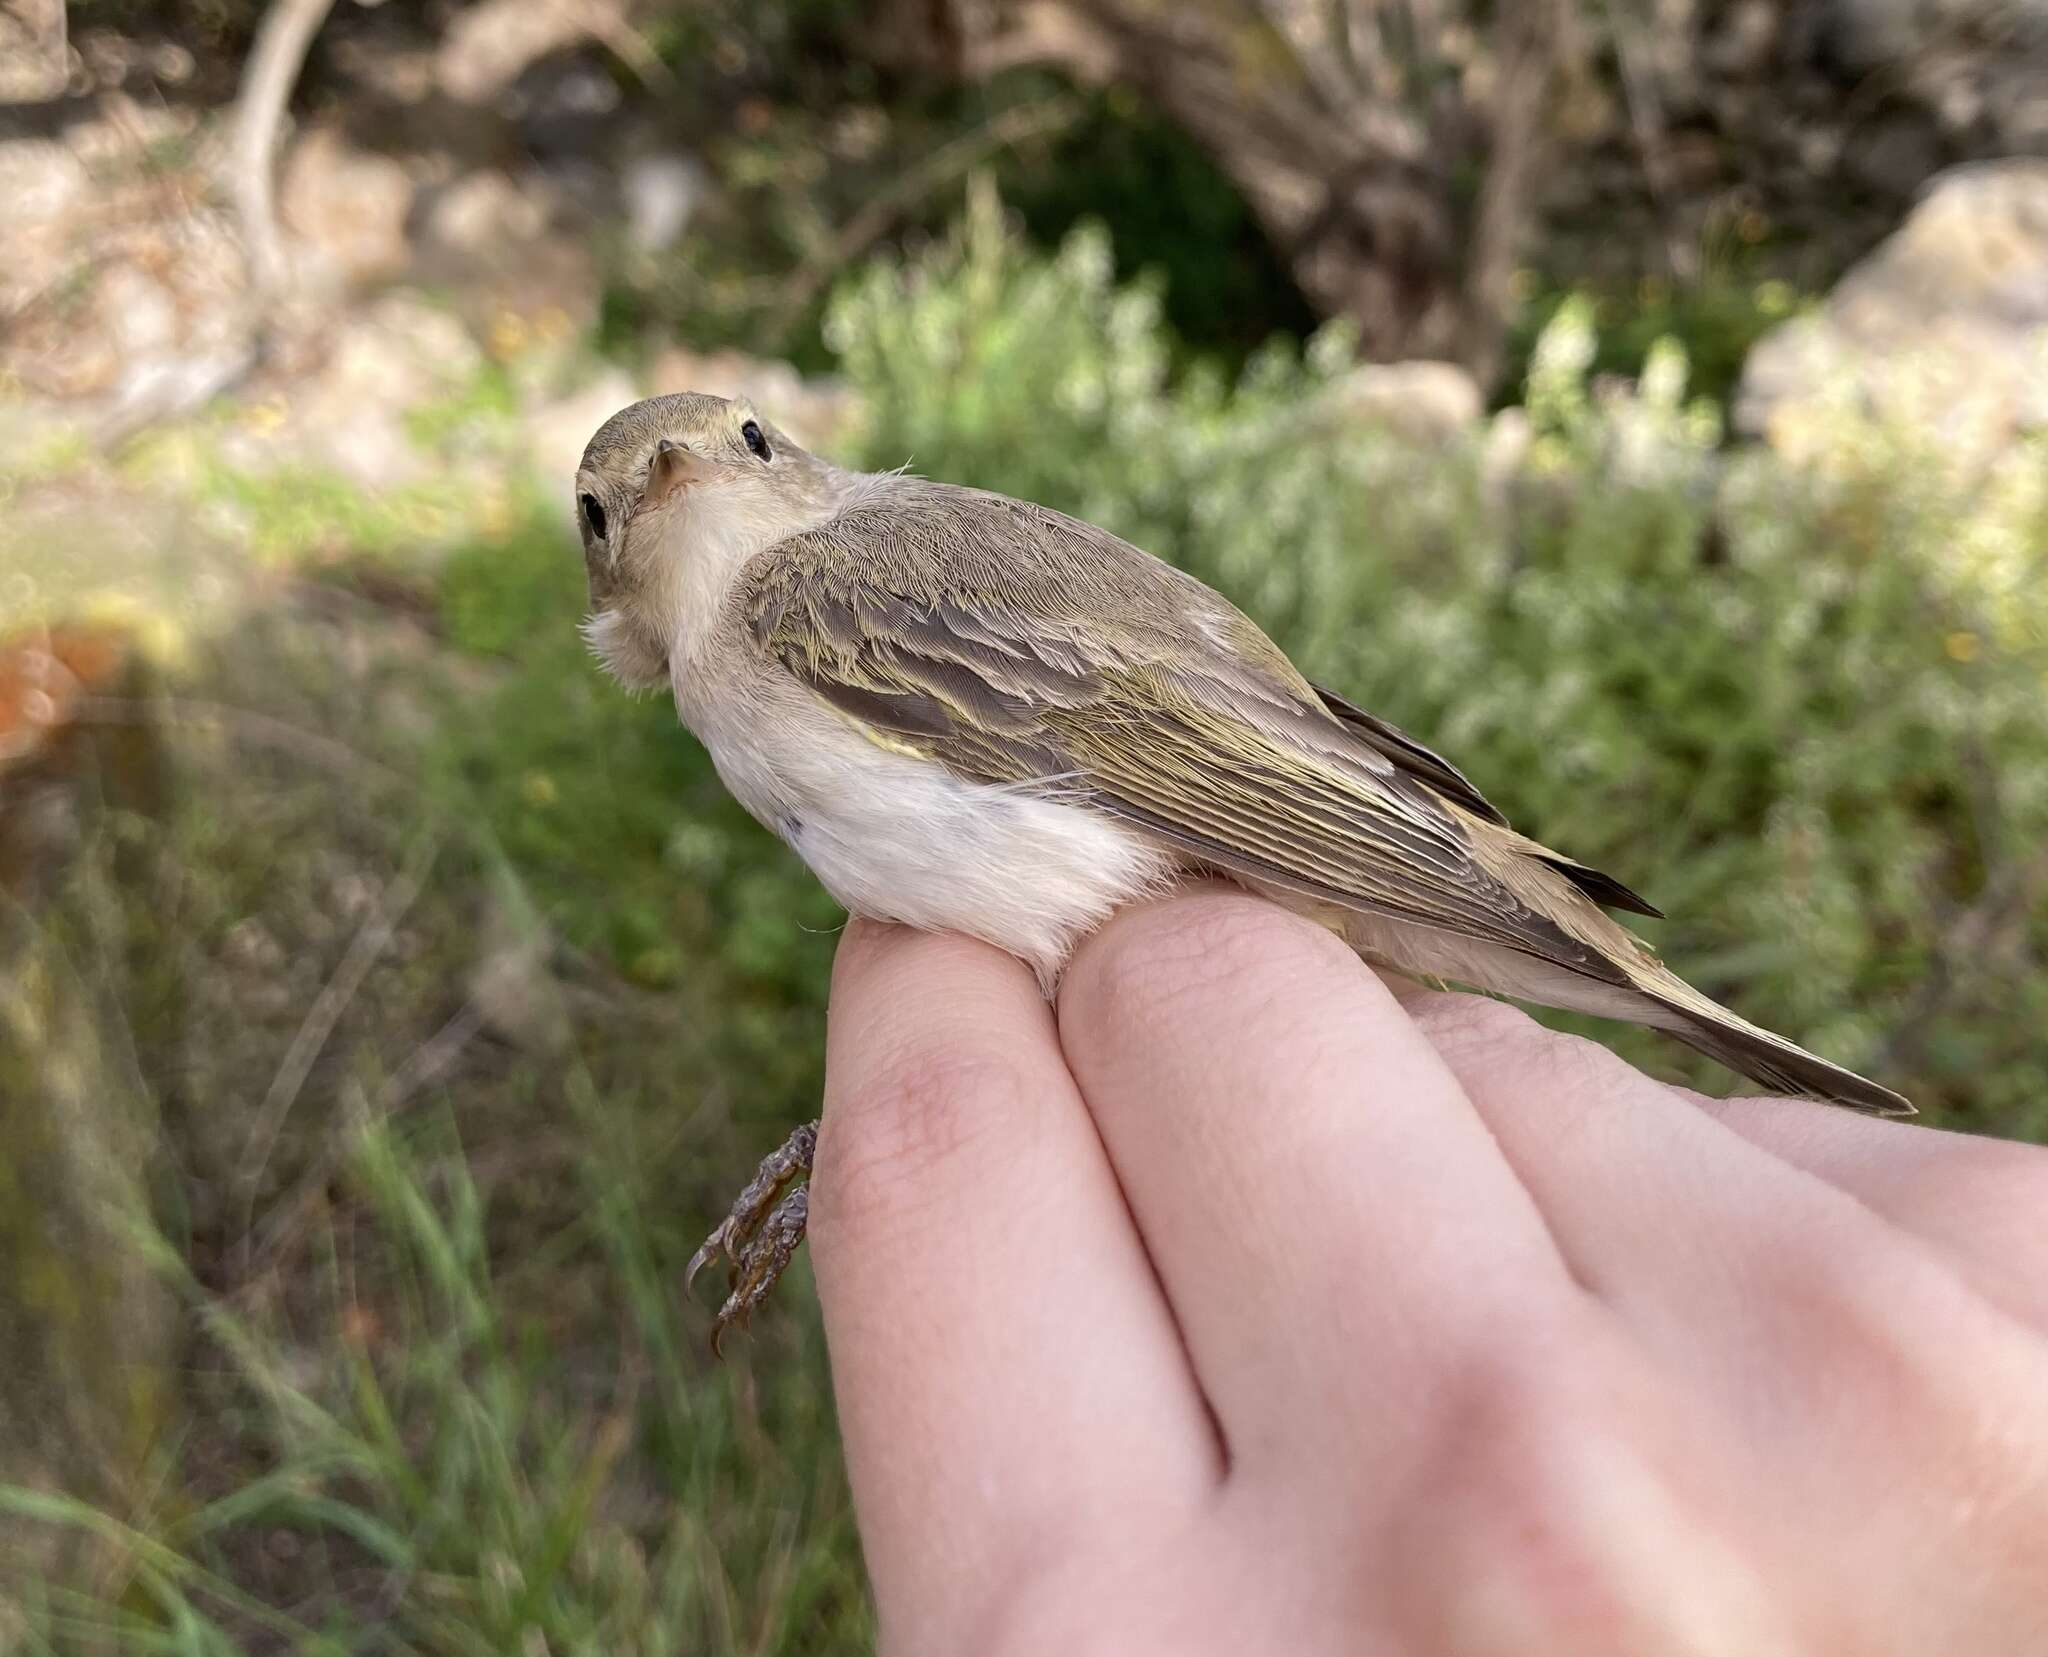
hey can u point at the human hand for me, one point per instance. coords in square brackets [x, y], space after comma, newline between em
[1243, 1307]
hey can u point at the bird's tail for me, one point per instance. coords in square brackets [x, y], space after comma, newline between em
[1630, 983]
[1780, 1065]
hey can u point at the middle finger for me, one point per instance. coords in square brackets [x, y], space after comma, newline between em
[1333, 1224]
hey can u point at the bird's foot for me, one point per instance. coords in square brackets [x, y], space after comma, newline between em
[761, 1262]
[761, 1233]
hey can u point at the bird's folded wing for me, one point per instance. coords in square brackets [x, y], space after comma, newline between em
[1160, 705]
[1403, 751]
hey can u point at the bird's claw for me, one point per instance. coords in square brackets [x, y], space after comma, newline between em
[721, 1241]
[761, 1233]
[760, 1263]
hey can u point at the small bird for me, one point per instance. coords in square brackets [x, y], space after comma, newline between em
[974, 714]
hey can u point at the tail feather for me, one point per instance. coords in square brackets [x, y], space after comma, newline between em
[1624, 981]
[1780, 1065]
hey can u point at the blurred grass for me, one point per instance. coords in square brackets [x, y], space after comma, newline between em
[443, 1392]
[442, 1490]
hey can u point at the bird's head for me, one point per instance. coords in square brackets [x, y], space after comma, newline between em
[674, 494]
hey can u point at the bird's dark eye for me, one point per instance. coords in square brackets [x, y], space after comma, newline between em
[593, 515]
[750, 434]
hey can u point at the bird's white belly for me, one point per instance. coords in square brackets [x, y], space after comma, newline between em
[903, 839]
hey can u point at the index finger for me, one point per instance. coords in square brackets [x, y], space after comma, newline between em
[1009, 1379]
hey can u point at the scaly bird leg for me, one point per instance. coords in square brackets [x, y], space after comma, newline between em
[762, 1231]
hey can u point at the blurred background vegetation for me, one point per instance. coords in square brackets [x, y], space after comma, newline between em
[1646, 404]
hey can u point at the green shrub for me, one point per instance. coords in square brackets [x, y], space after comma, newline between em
[1803, 709]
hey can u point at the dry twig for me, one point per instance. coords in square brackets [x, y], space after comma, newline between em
[282, 41]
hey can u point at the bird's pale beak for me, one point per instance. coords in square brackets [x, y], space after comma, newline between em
[675, 467]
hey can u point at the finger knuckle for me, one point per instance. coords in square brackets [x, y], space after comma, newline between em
[1554, 1515]
[886, 1139]
[1476, 1024]
[1182, 958]
[1477, 1029]
[1515, 1402]
[1517, 1483]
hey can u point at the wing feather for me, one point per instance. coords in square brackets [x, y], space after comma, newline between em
[1404, 751]
[950, 623]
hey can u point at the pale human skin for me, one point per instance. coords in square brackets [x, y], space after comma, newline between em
[1287, 1310]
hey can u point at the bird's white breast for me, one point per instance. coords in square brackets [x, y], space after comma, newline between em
[898, 838]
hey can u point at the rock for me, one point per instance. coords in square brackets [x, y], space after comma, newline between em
[141, 313]
[349, 413]
[40, 180]
[83, 349]
[1423, 401]
[35, 52]
[125, 330]
[118, 293]
[1942, 330]
[348, 205]
[45, 188]
[811, 411]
